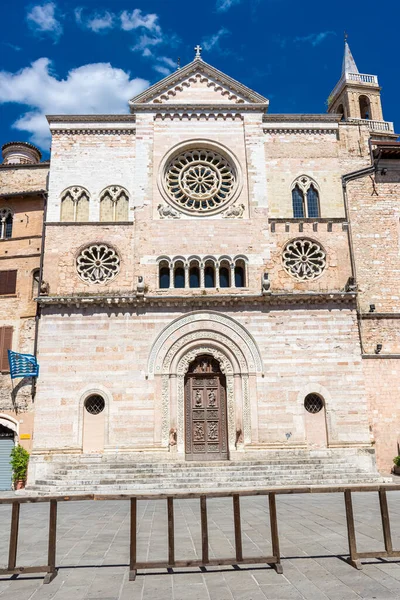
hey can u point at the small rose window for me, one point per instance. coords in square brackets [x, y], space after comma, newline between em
[98, 263]
[304, 259]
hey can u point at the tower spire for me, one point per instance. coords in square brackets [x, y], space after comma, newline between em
[349, 64]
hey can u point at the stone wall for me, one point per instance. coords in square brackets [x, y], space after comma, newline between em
[108, 351]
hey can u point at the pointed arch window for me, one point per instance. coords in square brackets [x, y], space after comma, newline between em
[305, 198]
[114, 204]
[75, 204]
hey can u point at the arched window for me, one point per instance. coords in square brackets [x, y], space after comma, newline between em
[164, 275]
[179, 275]
[305, 198]
[114, 204]
[365, 107]
[35, 283]
[6, 223]
[224, 275]
[75, 205]
[312, 202]
[240, 274]
[194, 276]
[298, 202]
[340, 111]
[209, 275]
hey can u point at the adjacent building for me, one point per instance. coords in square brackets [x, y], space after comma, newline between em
[23, 183]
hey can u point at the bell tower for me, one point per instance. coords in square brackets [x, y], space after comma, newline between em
[357, 97]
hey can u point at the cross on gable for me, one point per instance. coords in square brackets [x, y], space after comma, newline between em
[198, 50]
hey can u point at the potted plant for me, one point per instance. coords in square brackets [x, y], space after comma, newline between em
[396, 468]
[19, 462]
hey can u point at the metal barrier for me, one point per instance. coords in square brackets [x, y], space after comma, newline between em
[274, 560]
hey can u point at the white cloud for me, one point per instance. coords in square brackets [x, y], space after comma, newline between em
[146, 42]
[168, 61]
[13, 46]
[136, 19]
[224, 5]
[314, 38]
[92, 88]
[97, 22]
[42, 19]
[165, 65]
[212, 42]
[163, 70]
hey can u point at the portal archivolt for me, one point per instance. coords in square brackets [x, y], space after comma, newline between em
[224, 341]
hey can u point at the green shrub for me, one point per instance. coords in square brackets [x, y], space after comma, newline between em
[19, 462]
[396, 461]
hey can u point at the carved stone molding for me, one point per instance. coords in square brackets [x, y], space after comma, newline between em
[200, 115]
[167, 212]
[201, 335]
[93, 131]
[234, 212]
[301, 131]
[206, 322]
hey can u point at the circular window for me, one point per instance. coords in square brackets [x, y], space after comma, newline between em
[98, 264]
[200, 181]
[304, 259]
[94, 404]
[313, 403]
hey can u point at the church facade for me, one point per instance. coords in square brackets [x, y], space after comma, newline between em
[205, 291]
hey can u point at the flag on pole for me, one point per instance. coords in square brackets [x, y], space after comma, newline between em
[22, 365]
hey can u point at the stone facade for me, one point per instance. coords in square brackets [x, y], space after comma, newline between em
[23, 183]
[278, 299]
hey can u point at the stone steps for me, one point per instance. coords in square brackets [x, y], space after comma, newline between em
[118, 474]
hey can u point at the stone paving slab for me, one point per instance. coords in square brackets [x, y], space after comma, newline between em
[93, 551]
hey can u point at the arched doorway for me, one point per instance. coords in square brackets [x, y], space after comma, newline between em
[6, 445]
[206, 431]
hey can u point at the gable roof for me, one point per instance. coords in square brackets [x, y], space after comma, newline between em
[198, 67]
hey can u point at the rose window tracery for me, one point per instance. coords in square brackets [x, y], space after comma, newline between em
[304, 259]
[98, 263]
[200, 181]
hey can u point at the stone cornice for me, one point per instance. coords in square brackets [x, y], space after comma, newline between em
[198, 108]
[194, 302]
[124, 118]
[376, 315]
[93, 131]
[307, 220]
[302, 118]
[23, 193]
[301, 130]
[41, 165]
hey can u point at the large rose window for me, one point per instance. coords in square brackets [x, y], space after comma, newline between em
[200, 181]
[98, 263]
[304, 259]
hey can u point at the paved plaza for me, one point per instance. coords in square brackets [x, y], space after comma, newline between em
[93, 551]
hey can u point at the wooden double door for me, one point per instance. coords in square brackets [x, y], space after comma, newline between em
[206, 435]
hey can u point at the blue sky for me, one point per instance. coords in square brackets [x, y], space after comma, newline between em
[92, 56]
